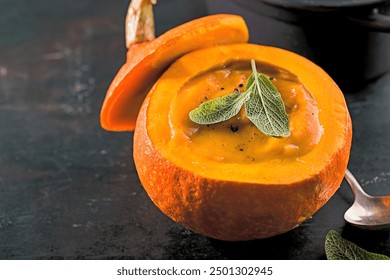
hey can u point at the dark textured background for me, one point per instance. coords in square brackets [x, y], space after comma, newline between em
[69, 190]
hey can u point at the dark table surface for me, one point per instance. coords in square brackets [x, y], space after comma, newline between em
[69, 189]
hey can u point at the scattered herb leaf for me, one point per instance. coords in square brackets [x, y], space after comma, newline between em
[338, 248]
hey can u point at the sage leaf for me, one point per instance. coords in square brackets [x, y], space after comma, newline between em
[263, 104]
[265, 107]
[338, 248]
[219, 109]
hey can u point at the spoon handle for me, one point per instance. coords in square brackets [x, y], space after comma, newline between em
[354, 184]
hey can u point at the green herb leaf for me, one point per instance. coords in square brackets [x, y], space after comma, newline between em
[338, 248]
[265, 107]
[219, 109]
[263, 103]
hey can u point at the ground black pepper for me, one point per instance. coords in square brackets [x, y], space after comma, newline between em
[234, 128]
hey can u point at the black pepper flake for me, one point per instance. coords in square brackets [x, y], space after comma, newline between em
[240, 85]
[241, 149]
[272, 78]
[205, 97]
[222, 88]
[234, 128]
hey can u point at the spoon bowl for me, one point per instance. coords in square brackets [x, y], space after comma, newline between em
[367, 212]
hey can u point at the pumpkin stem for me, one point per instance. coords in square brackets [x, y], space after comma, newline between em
[140, 22]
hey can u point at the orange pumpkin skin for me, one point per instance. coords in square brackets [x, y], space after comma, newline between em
[146, 62]
[235, 210]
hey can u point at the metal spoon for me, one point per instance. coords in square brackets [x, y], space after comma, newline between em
[367, 212]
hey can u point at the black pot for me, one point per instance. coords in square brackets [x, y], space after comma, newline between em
[350, 39]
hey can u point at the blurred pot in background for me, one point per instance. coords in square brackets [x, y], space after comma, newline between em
[350, 39]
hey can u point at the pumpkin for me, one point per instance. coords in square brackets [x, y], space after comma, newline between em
[147, 60]
[228, 180]
[238, 184]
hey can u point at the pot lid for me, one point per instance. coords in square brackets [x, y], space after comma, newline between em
[323, 4]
